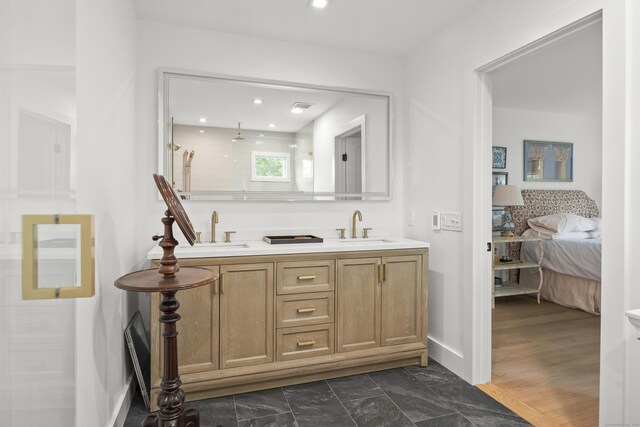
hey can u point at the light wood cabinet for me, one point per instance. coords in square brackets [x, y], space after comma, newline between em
[401, 300]
[358, 303]
[246, 314]
[379, 302]
[278, 320]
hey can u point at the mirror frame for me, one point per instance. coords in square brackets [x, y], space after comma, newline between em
[164, 141]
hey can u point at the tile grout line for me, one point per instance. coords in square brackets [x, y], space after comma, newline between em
[483, 408]
[290, 408]
[360, 398]
[392, 401]
[434, 392]
[235, 408]
[341, 404]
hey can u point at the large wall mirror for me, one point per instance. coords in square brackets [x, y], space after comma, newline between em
[228, 138]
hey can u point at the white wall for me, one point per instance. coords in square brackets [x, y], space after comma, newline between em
[223, 165]
[162, 45]
[106, 61]
[446, 170]
[511, 127]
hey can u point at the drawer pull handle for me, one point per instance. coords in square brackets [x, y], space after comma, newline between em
[306, 277]
[306, 343]
[306, 310]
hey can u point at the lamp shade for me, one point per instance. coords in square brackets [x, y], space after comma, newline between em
[507, 195]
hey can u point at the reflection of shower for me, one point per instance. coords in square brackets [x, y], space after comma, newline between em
[239, 136]
[187, 157]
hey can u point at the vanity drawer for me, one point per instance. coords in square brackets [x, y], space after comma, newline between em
[295, 277]
[305, 341]
[304, 309]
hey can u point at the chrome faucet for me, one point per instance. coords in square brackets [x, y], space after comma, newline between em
[353, 223]
[214, 221]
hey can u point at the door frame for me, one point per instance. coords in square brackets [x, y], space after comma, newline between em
[480, 367]
[351, 127]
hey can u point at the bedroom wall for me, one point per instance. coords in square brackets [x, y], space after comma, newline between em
[511, 127]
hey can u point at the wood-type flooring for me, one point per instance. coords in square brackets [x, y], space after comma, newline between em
[545, 362]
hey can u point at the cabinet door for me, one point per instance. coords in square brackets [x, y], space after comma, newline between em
[401, 299]
[246, 315]
[198, 330]
[358, 297]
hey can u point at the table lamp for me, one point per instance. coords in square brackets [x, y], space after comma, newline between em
[507, 195]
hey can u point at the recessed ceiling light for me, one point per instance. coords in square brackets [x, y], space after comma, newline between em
[203, 120]
[201, 131]
[320, 4]
[297, 110]
[293, 145]
[258, 142]
[257, 101]
[272, 125]
[261, 135]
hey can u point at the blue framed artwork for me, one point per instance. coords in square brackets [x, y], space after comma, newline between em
[499, 157]
[546, 161]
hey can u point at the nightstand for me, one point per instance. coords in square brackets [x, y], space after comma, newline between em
[513, 288]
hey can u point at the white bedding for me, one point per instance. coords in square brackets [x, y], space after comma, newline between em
[576, 257]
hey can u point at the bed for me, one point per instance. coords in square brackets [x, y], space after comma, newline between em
[571, 268]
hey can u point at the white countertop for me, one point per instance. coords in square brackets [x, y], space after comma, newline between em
[259, 247]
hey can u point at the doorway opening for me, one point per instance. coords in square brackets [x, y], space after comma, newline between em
[348, 161]
[550, 90]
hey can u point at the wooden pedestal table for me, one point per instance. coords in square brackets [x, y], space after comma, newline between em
[170, 401]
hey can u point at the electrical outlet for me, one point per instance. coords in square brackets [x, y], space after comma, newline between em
[451, 221]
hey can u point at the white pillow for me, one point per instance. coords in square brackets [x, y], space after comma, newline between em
[562, 223]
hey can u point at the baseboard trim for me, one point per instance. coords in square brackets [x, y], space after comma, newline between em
[124, 403]
[450, 359]
[525, 411]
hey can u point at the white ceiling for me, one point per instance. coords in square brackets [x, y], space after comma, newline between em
[564, 77]
[224, 104]
[376, 26]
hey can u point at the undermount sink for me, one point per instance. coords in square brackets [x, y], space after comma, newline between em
[208, 247]
[356, 242]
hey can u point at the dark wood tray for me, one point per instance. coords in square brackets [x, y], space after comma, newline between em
[277, 240]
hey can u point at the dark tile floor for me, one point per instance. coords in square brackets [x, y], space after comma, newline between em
[411, 396]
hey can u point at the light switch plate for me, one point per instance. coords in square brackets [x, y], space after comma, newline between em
[435, 220]
[451, 221]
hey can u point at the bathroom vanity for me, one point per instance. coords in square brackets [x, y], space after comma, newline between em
[286, 314]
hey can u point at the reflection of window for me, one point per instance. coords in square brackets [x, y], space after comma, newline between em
[266, 166]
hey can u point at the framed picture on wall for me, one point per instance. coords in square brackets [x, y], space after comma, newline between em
[547, 161]
[499, 178]
[499, 157]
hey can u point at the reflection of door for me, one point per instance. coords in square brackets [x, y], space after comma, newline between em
[348, 152]
[45, 146]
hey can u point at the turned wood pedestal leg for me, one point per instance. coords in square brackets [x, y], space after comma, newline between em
[171, 397]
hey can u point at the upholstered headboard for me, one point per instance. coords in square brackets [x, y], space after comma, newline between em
[546, 202]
